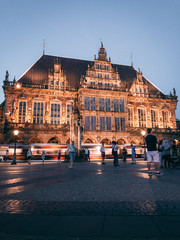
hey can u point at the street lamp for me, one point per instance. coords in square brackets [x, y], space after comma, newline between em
[16, 132]
[145, 155]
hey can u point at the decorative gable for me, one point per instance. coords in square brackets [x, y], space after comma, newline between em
[139, 85]
[56, 77]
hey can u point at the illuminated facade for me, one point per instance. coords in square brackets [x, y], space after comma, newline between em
[61, 99]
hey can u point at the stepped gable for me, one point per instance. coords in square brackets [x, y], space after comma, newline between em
[74, 69]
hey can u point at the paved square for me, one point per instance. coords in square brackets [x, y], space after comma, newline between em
[90, 201]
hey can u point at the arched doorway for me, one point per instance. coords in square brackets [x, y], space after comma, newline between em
[134, 141]
[120, 141]
[35, 140]
[106, 141]
[54, 140]
[89, 140]
[18, 140]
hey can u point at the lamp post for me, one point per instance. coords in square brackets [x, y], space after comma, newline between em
[16, 132]
[145, 155]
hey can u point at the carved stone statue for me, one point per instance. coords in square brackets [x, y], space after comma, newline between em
[174, 92]
[7, 76]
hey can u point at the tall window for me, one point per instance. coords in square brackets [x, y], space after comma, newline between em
[38, 112]
[22, 112]
[93, 123]
[121, 105]
[123, 125]
[108, 123]
[165, 119]
[117, 125]
[130, 117]
[116, 105]
[87, 122]
[142, 117]
[101, 104]
[108, 105]
[120, 124]
[154, 118]
[68, 112]
[93, 104]
[86, 103]
[55, 113]
[102, 123]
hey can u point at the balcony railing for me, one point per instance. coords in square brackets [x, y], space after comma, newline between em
[37, 86]
[100, 87]
[39, 127]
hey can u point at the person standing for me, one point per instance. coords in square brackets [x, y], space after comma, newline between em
[174, 149]
[86, 152]
[166, 153]
[29, 156]
[152, 153]
[72, 154]
[133, 154]
[124, 152]
[160, 153]
[43, 156]
[115, 153]
[59, 156]
[6, 156]
[102, 150]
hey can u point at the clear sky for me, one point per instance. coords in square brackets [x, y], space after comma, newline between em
[150, 29]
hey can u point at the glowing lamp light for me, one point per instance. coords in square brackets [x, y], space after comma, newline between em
[18, 86]
[143, 133]
[16, 132]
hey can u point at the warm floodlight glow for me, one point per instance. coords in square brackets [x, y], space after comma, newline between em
[18, 86]
[16, 132]
[143, 133]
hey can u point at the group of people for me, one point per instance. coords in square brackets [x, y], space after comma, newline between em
[43, 156]
[167, 153]
[161, 155]
[115, 154]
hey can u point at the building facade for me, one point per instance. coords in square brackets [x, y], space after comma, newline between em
[61, 99]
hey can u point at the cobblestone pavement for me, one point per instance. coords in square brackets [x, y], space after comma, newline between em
[89, 202]
[88, 188]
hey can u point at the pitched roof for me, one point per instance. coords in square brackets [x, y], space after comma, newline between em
[74, 69]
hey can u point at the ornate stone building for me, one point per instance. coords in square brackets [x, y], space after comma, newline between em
[61, 99]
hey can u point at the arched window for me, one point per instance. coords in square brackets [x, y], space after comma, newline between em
[54, 140]
[89, 140]
[106, 141]
[120, 141]
[35, 140]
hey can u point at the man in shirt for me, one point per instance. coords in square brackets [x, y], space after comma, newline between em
[115, 153]
[152, 153]
[133, 154]
[72, 153]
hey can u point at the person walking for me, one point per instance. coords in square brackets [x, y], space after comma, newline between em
[133, 154]
[102, 150]
[174, 149]
[59, 156]
[115, 153]
[161, 164]
[6, 156]
[152, 153]
[166, 153]
[124, 153]
[72, 154]
[86, 152]
[29, 156]
[43, 156]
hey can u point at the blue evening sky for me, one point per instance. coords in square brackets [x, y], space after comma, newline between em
[150, 29]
